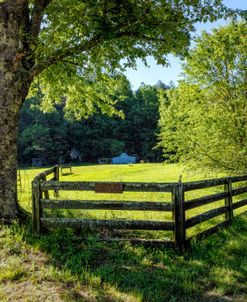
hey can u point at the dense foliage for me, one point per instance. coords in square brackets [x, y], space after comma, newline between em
[206, 120]
[77, 49]
[95, 40]
[51, 137]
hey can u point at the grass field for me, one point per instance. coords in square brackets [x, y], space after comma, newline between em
[64, 266]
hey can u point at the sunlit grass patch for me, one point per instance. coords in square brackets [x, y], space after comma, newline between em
[62, 266]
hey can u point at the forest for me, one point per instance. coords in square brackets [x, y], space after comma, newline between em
[50, 137]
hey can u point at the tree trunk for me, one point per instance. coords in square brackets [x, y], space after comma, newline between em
[8, 160]
[14, 85]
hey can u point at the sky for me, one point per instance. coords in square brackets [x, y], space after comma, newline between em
[156, 72]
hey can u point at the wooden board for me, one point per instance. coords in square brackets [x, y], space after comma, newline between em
[103, 187]
[122, 224]
[90, 186]
[106, 205]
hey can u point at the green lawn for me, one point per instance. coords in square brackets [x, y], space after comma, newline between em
[66, 265]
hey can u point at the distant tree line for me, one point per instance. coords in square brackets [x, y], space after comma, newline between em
[56, 137]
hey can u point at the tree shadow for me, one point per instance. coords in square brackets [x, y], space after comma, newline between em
[213, 269]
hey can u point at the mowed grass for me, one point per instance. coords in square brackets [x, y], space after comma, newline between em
[67, 265]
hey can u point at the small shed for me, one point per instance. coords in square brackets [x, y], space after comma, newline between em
[104, 161]
[124, 159]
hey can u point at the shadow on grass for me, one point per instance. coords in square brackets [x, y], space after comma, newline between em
[214, 269]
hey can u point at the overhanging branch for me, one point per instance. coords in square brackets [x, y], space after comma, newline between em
[37, 15]
[62, 54]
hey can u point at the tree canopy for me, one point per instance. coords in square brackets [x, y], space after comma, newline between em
[84, 45]
[76, 49]
[206, 119]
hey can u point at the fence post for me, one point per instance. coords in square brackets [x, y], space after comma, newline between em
[228, 200]
[179, 215]
[56, 178]
[46, 193]
[36, 213]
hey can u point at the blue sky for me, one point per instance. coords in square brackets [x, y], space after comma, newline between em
[156, 72]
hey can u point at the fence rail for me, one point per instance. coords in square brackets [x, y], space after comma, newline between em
[91, 186]
[111, 224]
[106, 205]
[178, 205]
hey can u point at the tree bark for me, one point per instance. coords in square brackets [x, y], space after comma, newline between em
[14, 85]
[8, 162]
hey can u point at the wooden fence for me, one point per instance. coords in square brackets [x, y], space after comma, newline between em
[177, 205]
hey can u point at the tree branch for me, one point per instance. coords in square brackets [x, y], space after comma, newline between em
[59, 55]
[26, 28]
[37, 15]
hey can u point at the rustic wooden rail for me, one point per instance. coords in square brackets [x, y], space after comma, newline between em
[64, 167]
[178, 205]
